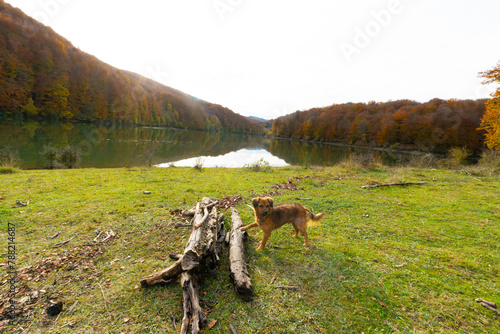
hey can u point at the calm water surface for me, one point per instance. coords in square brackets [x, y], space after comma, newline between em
[114, 146]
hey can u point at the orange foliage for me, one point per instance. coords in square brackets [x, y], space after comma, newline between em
[44, 75]
[491, 120]
[433, 126]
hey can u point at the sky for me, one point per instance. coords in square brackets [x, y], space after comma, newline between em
[268, 58]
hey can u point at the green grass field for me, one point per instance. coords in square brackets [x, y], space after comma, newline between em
[401, 259]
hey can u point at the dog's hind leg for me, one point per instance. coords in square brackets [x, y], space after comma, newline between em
[302, 229]
[296, 231]
[306, 239]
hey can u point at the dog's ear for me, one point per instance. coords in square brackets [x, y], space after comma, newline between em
[255, 201]
[270, 200]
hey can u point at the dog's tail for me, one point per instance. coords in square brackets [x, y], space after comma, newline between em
[314, 219]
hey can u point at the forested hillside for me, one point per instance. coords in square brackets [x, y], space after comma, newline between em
[433, 126]
[43, 75]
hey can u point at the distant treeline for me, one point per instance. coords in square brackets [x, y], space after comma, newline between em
[42, 75]
[433, 126]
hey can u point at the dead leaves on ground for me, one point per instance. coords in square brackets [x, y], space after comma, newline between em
[71, 265]
[287, 185]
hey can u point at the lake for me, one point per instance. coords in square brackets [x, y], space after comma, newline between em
[126, 146]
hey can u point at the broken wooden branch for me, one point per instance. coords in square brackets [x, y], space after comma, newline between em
[237, 264]
[55, 235]
[72, 307]
[200, 255]
[62, 243]
[174, 256]
[287, 287]
[199, 221]
[206, 202]
[194, 315]
[392, 184]
[106, 301]
[110, 234]
[489, 305]
[190, 259]
[163, 276]
[232, 329]
[181, 224]
[490, 308]
[481, 300]
[19, 203]
[98, 234]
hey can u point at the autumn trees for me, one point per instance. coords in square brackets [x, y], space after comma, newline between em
[44, 75]
[491, 120]
[435, 126]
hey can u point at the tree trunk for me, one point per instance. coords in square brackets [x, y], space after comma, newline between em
[163, 276]
[201, 255]
[193, 313]
[191, 257]
[237, 264]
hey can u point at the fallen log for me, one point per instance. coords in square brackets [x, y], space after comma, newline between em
[207, 202]
[237, 264]
[175, 256]
[195, 251]
[202, 247]
[194, 316]
[163, 276]
[200, 255]
[191, 258]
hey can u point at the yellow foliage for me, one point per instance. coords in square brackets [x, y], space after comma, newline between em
[491, 120]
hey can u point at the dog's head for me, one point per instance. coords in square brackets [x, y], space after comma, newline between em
[263, 206]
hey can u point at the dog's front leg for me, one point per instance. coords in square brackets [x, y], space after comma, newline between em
[264, 240]
[244, 228]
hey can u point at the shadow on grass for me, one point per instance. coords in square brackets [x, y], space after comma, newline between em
[335, 292]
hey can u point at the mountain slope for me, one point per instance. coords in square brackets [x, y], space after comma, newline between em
[43, 75]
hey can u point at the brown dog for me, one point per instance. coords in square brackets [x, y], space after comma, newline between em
[268, 218]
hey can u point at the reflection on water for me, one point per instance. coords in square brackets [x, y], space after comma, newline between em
[236, 159]
[116, 146]
[303, 153]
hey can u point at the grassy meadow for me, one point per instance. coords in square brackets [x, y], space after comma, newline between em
[400, 259]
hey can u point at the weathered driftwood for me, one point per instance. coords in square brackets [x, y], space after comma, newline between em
[489, 305]
[175, 256]
[191, 257]
[203, 246]
[392, 184]
[194, 316]
[200, 246]
[200, 255]
[163, 276]
[237, 264]
[206, 202]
